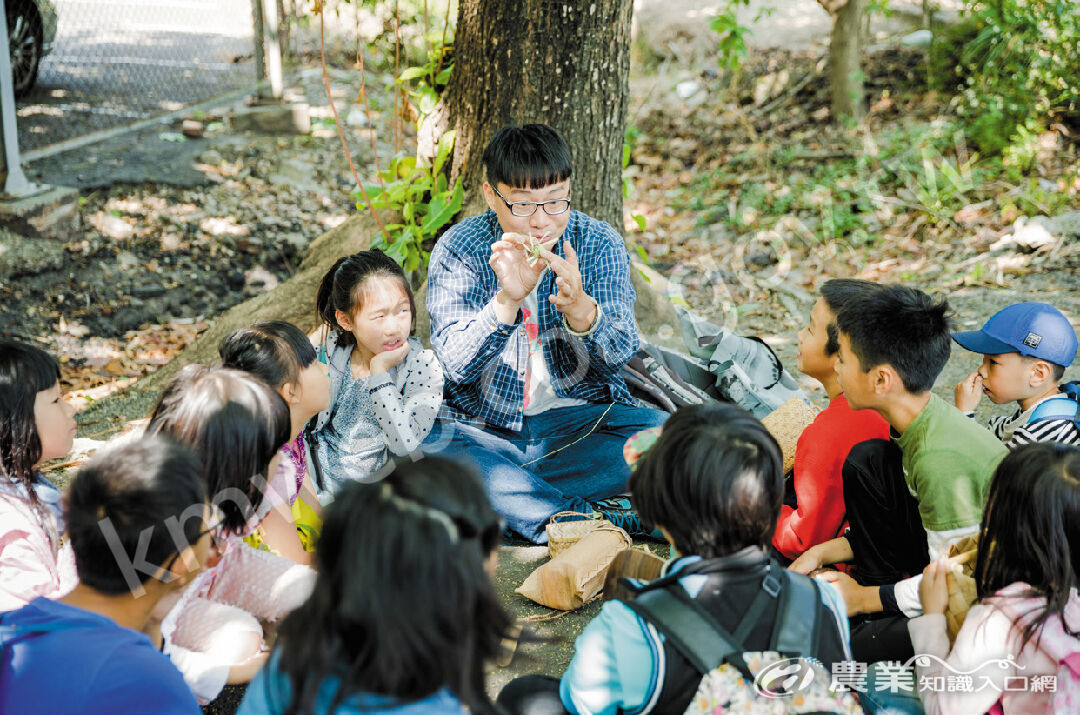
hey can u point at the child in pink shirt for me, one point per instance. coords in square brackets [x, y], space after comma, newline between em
[1027, 619]
[35, 425]
[237, 425]
[279, 354]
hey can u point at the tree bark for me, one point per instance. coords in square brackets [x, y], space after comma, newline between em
[845, 70]
[565, 63]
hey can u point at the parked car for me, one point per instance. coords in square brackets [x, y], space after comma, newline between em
[31, 31]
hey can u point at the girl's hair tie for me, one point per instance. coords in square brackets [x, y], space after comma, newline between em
[424, 512]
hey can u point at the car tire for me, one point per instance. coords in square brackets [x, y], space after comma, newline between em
[24, 43]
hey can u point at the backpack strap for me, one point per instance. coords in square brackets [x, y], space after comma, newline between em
[690, 629]
[1057, 408]
[695, 632]
[798, 622]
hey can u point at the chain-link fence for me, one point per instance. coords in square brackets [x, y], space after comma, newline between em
[109, 63]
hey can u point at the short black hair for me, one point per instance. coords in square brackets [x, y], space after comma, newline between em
[127, 507]
[713, 480]
[1057, 371]
[902, 327]
[275, 352]
[837, 293]
[529, 157]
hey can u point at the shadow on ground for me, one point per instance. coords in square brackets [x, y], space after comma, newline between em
[555, 631]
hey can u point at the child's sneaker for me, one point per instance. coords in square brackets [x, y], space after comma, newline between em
[619, 512]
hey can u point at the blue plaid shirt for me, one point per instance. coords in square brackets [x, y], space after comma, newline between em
[484, 361]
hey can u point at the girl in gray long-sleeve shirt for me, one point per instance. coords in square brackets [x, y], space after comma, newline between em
[385, 389]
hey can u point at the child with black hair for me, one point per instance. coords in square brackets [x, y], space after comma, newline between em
[404, 617]
[140, 525]
[1028, 614]
[1026, 348]
[35, 425]
[907, 498]
[817, 483]
[385, 388]
[280, 354]
[712, 484]
[236, 424]
[532, 317]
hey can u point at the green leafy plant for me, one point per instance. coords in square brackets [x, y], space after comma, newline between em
[419, 191]
[431, 78]
[1020, 69]
[942, 184]
[732, 43]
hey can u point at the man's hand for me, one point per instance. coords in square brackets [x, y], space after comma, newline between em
[509, 260]
[934, 591]
[968, 391]
[858, 599]
[570, 299]
[385, 360]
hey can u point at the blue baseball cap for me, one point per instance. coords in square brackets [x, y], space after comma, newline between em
[1037, 330]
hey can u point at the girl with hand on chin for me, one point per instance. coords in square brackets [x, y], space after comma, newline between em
[385, 388]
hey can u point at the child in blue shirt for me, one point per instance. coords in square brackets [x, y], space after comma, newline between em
[140, 527]
[712, 484]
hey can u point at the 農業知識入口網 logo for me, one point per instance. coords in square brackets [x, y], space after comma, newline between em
[785, 678]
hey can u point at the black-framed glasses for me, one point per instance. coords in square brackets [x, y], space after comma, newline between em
[215, 527]
[554, 207]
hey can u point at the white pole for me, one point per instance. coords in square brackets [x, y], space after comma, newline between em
[15, 184]
[273, 48]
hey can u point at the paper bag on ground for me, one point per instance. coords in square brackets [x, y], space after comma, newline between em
[576, 576]
[960, 584]
[632, 563]
[785, 424]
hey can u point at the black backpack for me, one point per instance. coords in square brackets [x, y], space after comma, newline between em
[749, 681]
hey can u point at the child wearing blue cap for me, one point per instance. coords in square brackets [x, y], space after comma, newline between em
[1026, 348]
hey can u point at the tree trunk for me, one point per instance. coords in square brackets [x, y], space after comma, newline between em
[564, 63]
[845, 71]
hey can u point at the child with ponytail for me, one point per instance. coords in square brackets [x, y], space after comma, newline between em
[374, 637]
[385, 388]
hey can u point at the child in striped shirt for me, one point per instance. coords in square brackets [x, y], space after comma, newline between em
[1026, 348]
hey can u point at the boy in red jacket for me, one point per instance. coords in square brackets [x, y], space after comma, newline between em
[818, 515]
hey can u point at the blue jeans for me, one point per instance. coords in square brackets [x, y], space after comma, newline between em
[890, 700]
[526, 483]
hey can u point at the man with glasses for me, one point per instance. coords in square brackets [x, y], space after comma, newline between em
[532, 318]
[141, 529]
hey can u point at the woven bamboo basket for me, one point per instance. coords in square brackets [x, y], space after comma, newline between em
[563, 532]
[785, 424]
